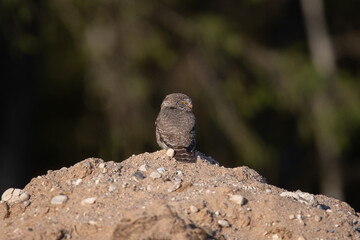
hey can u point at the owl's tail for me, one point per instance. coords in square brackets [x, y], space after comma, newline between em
[182, 155]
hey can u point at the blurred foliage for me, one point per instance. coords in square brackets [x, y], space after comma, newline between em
[99, 70]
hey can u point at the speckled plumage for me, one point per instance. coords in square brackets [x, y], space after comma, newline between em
[176, 126]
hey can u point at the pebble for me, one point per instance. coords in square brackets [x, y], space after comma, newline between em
[355, 221]
[268, 190]
[7, 195]
[170, 152]
[113, 187]
[155, 175]
[193, 209]
[149, 188]
[26, 203]
[301, 238]
[59, 199]
[161, 170]
[224, 223]
[318, 218]
[88, 201]
[17, 192]
[275, 236]
[238, 199]
[177, 180]
[24, 196]
[138, 175]
[143, 168]
[102, 165]
[175, 187]
[77, 182]
[291, 216]
[180, 173]
[317, 229]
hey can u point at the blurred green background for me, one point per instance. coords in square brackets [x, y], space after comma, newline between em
[275, 85]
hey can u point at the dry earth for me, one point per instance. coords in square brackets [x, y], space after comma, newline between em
[151, 196]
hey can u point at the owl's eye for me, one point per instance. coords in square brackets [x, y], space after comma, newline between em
[184, 103]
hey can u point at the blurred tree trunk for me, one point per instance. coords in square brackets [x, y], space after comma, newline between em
[322, 109]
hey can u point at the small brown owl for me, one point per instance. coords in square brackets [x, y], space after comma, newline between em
[176, 126]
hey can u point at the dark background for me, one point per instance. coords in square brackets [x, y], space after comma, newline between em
[275, 85]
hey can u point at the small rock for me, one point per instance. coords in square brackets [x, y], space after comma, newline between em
[7, 195]
[59, 199]
[330, 230]
[275, 236]
[24, 196]
[161, 170]
[193, 209]
[26, 203]
[268, 190]
[102, 165]
[138, 175]
[175, 187]
[238, 199]
[177, 180]
[170, 152]
[291, 216]
[17, 192]
[301, 238]
[317, 229]
[337, 225]
[318, 218]
[328, 210]
[155, 175]
[355, 221]
[143, 168]
[92, 222]
[113, 187]
[77, 182]
[149, 188]
[224, 223]
[180, 173]
[88, 201]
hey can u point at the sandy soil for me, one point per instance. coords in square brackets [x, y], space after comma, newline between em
[151, 196]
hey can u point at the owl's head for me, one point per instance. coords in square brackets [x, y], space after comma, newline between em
[178, 101]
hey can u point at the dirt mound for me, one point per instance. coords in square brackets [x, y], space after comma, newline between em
[151, 196]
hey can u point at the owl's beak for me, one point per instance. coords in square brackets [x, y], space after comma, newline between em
[190, 106]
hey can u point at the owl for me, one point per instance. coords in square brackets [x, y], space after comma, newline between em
[176, 126]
